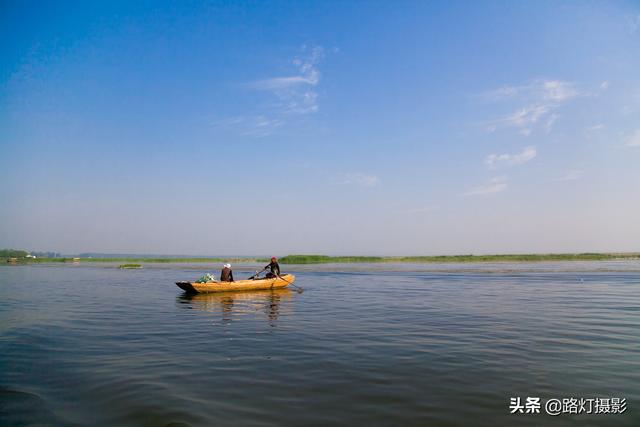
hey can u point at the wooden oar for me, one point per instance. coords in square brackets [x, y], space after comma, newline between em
[300, 290]
[257, 274]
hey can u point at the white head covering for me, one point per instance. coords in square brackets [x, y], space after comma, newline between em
[227, 266]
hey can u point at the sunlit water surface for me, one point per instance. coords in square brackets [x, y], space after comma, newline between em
[382, 345]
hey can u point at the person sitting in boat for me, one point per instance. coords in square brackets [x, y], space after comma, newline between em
[274, 268]
[226, 275]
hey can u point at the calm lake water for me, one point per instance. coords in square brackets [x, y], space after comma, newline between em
[380, 345]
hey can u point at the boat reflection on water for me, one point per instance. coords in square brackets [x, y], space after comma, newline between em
[233, 304]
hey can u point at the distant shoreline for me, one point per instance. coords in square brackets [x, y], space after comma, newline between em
[324, 259]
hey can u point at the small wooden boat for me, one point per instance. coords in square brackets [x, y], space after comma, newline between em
[240, 285]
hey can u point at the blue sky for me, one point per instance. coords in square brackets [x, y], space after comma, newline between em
[320, 127]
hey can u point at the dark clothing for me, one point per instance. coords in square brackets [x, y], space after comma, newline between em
[226, 275]
[274, 267]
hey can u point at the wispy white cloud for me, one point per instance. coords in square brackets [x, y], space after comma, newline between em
[625, 110]
[289, 97]
[527, 154]
[361, 179]
[255, 126]
[278, 83]
[571, 175]
[605, 85]
[548, 125]
[525, 116]
[540, 98]
[558, 91]
[634, 139]
[503, 92]
[539, 89]
[595, 128]
[296, 94]
[495, 185]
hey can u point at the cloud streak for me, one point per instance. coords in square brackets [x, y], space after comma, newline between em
[279, 83]
[257, 126]
[540, 99]
[289, 97]
[634, 139]
[540, 89]
[595, 128]
[296, 94]
[570, 175]
[526, 155]
[495, 185]
[361, 179]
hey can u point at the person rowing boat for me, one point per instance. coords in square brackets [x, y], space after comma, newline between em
[274, 268]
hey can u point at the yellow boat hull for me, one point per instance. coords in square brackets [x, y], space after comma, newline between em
[240, 285]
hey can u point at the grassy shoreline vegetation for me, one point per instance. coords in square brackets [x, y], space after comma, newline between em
[323, 259]
[20, 257]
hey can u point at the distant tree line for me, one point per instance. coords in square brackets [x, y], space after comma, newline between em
[13, 253]
[18, 253]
